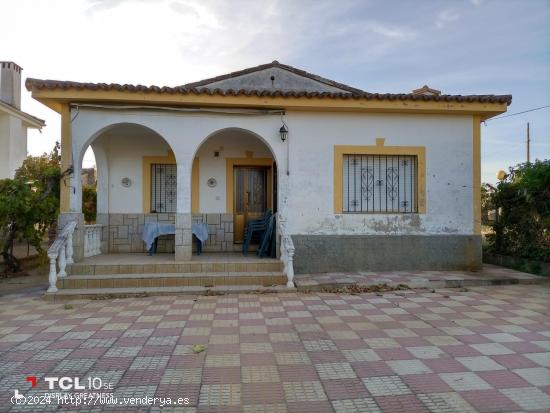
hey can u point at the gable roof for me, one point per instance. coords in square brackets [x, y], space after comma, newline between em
[266, 77]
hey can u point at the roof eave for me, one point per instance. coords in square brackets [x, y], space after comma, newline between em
[55, 94]
[29, 120]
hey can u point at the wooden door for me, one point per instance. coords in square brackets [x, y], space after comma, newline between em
[251, 197]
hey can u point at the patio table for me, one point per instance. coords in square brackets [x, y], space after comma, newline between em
[152, 230]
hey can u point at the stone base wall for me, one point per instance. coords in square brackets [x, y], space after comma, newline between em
[220, 232]
[123, 232]
[341, 253]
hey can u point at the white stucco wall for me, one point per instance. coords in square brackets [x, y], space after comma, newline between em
[13, 145]
[123, 150]
[306, 194]
[231, 144]
[448, 142]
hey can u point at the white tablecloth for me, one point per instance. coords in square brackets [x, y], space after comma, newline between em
[152, 230]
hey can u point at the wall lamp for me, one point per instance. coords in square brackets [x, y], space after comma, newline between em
[283, 131]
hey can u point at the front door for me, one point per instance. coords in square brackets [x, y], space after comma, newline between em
[251, 196]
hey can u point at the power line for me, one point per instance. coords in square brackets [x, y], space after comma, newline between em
[518, 113]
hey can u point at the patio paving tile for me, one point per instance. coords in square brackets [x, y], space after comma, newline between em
[485, 349]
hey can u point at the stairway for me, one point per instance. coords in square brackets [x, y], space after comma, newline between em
[110, 277]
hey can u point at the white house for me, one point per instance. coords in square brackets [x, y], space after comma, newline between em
[360, 181]
[13, 121]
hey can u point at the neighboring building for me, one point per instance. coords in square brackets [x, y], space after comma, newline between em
[364, 181]
[13, 121]
[88, 176]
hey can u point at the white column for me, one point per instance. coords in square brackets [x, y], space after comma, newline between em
[184, 235]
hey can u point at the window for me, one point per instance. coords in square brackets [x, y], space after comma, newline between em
[380, 183]
[163, 187]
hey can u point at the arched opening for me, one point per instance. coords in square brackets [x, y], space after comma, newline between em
[88, 179]
[234, 181]
[136, 184]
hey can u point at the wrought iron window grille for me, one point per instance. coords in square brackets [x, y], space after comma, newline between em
[380, 184]
[163, 187]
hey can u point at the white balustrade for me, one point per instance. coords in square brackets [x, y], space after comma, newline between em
[287, 250]
[92, 240]
[61, 253]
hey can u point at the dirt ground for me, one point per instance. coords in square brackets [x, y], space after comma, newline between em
[37, 278]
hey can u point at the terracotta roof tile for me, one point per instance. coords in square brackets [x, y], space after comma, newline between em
[198, 88]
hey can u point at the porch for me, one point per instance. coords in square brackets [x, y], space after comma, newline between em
[221, 178]
[142, 179]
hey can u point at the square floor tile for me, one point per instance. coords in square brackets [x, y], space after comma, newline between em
[480, 363]
[464, 381]
[265, 408]
[404, 367]
[426, 352]
[386, 386]
[382, 342]
[260, 374]
[292, 357]
[542, 359]
[491, 349]
[220, 395]
[502, 337]
[365, 405]
[319, 345]
[447, 402]
[331, 371]
[528, 398]
[490, 401]
[304, 391]
[538, 376]
[363, 354]
[149, 363]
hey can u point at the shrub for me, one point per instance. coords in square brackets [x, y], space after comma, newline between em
[521, 203]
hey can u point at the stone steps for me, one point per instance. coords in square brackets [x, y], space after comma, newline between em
[106, 293]
[159, 280]
[194, 267]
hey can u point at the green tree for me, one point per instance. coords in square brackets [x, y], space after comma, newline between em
[89, 203]
[522, 205]
[29, 204]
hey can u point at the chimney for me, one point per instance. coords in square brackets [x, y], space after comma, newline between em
[10, 84]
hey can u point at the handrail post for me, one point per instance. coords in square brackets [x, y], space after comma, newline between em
[52, 278]
[62, 262]
[290, 268]
[70, 248]
[287, 251]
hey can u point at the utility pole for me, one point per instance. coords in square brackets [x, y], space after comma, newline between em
[528, 145]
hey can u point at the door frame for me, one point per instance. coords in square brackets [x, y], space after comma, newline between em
[230, 179]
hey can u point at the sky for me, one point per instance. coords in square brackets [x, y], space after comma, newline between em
[456, 46]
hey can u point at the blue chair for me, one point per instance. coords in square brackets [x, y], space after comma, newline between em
[267, 238]
[257, 226]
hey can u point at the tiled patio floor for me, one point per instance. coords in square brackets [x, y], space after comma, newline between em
[487, 349]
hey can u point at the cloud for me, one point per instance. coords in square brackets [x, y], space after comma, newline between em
[390, 31]
[445, 17]
[102, 5]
